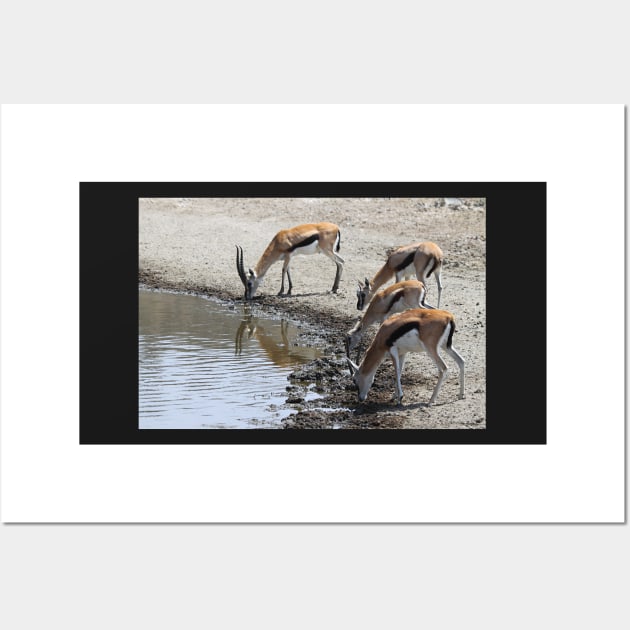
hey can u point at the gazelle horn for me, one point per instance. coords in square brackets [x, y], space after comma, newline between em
[352, 366]
[239, 265]
[347, 345]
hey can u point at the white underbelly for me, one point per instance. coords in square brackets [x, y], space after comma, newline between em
[410, 342]
[398, 307]
[311, 248]
[409, 271]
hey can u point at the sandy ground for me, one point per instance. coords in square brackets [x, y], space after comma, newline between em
[189, 244]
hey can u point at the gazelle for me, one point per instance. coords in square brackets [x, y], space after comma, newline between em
[308, 238]
[396, 298]
[415, 330]
[422, 259]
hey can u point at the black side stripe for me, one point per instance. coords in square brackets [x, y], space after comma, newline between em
[396, 296]
[399, 332]
[406, 262]
[433, 264]
[449, 341]
[305, 242]
[339, 241]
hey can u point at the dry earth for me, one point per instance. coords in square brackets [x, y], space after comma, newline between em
[188, 244]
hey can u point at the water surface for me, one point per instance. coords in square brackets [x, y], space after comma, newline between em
[207, 365]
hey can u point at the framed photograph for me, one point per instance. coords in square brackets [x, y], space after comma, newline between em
[154, 375]
[203, 359]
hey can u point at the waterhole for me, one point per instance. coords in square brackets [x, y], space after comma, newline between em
[204, 364]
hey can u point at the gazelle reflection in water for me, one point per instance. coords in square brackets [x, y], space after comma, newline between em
[276, 342]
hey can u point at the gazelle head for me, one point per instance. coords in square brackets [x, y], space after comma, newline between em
[362, 381]
[362, 293]
[250, 280]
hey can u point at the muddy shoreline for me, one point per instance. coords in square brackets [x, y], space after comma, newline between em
[177, 254]
[325, 375]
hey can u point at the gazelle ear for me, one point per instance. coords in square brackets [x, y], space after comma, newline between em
[251, 273]
[367, 283]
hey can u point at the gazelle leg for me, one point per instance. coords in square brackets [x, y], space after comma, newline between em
[423, 268]
[424, 304]
[398, 360]
[460, 364]
[403, 356]
[337, 277]
[285, 270]
[438, 279]
[442, 370]
[339, 262]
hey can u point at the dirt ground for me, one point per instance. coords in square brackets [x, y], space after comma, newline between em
[188, 244]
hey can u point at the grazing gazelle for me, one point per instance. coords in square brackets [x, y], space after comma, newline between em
[308, 238]
[396, 298]
[415, 330]
[419, 259]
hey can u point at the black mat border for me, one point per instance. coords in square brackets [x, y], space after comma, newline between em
[516, 331]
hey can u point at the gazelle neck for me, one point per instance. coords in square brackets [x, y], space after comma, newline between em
[268, 258]
[381, 277]
[371, 360]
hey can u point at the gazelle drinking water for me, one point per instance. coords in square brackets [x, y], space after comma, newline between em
[415, 330]
[396, 298]
[308, 238]
[419, 259]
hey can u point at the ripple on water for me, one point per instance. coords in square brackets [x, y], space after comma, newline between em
[203, 365]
